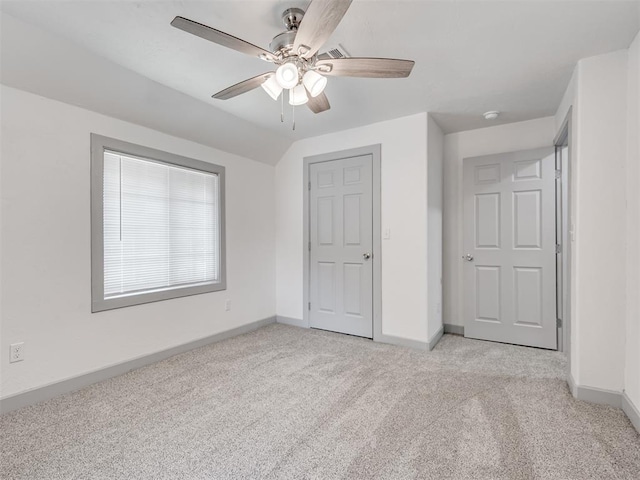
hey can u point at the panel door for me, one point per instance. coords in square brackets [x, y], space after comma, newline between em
[341, 243]
[509, 271]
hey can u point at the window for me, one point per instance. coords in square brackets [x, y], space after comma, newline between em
[157, 225]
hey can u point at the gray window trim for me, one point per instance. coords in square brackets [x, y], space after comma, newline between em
[99, 144]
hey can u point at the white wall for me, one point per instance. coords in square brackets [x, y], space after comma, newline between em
[404, 212]
[600, 221]
[599, 181]
[457, 146]
[435, 200]
[2, 342]
[632, 348]
[45, 256]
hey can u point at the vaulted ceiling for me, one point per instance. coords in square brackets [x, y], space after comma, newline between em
[471, 56]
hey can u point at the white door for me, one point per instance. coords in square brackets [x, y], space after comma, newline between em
[341, 243]
[509, 248]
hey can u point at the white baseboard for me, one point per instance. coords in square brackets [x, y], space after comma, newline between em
[595, 395]
[599, 396]
[453, 329]
[390, 339]
[40, 394]
[632, 411]
[296, 322]
[436, 338]
[402, 342]
[571, 383]
[606, 397]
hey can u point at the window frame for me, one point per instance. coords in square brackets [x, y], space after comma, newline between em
[101, 143]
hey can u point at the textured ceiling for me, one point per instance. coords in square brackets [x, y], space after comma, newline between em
[471, 56]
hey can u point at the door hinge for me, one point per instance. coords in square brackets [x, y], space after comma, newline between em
[309, 186]
[309, 246]
[558, 174]
[559, 322]
[309, 305]
[558, 248]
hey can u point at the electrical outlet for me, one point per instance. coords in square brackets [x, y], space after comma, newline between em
[16, 352]
[227, 305]
[386, 234]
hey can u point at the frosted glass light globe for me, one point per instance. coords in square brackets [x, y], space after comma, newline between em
[314, 82]
[298, 96]
[287, 75]
[272, 88]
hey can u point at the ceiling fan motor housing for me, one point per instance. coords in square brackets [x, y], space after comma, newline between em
[291, 18]
[282, 41]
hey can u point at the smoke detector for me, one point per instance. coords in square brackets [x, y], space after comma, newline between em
[492, 115]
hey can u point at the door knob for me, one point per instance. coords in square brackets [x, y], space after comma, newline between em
[468, 257]
[366, 255]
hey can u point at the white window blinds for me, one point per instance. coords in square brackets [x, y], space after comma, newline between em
[161, 226]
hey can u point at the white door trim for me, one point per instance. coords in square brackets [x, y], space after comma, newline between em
[374, 151]
[563, 138]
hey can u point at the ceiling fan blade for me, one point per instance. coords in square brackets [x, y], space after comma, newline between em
[319, 21]
[366, 67]
[242, 87]
[319, 103]
[221, 38]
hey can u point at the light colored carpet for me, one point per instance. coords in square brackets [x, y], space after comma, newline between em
[284, 402]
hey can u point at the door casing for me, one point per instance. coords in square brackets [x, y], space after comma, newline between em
[375, 152]
[563, 139]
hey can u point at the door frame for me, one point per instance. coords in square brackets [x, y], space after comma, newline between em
[562, 139]
[374, 151]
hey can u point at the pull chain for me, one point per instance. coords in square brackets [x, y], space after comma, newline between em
[282, 107]
[293, 116]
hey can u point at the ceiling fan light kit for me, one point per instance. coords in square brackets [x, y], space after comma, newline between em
[295, 52]
[314, 82]
[272, 87]
[287, 75]
[298, 96]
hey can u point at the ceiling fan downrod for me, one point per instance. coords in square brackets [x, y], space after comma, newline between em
[292, 18]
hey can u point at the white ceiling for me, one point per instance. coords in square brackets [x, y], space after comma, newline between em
[471, 56]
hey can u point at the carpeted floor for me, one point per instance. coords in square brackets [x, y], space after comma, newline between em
[284, 402]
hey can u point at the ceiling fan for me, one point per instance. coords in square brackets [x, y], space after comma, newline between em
[300, 69]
